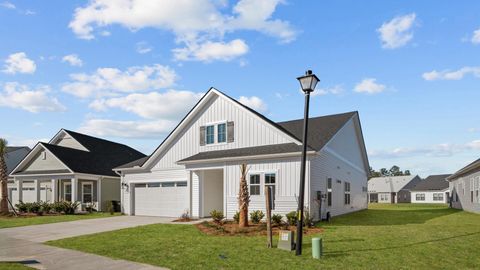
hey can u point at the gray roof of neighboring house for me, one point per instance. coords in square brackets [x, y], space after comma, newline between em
[392, 183]
[102, 157]
[247, 151]
[474, 166]
[13, 156]
[433, 182]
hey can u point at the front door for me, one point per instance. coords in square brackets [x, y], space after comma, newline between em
[393, 197]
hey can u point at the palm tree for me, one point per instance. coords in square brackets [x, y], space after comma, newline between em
[243, 197]
[3, 177]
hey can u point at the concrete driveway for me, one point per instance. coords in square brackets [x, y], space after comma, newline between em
[25, 243]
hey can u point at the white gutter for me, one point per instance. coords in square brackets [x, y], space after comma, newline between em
[281, 155]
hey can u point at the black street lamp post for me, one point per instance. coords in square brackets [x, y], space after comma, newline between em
[308, 83]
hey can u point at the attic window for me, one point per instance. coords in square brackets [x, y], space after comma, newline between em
[44, 155]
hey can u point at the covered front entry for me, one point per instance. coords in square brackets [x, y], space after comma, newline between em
[164, 199]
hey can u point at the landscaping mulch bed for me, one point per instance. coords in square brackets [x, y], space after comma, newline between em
[231, 229]
[185, 220]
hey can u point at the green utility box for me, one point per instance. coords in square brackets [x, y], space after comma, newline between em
[285, 240]
[317, 248]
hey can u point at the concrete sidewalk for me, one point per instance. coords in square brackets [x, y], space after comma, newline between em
[25, 244]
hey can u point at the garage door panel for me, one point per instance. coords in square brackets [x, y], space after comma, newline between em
[161, 201]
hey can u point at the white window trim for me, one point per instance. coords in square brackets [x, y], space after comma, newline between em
[86, 184]
[215, 133]
[64, 190]
[347, 192]
[262, 181]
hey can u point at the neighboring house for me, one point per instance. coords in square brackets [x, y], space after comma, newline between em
[196, 169]
[13, 156]
[71, 167]
[464, 187]
[433, 189]
[392, 189]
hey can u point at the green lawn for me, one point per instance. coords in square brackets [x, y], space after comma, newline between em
[383, 237]
[13, 266]
[8, 222]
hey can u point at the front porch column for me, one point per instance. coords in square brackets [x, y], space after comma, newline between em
[54, 190]
[99, 194]
[20, 189]
[74, 189]
[37, 189]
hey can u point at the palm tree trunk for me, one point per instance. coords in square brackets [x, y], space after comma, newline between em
[243, 197]
[3, 178]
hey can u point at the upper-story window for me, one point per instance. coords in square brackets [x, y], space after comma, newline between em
[210, 134]
[222, 133]
[217, 133]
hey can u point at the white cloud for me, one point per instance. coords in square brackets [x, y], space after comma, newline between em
[193, 22]
[19, 63]
[127, 129]
[210, 51]
[73, 60]
[476, 37]
[143, 47]
[254, 102]
[108, 81]
[7, 5]
[334, 90]
[397, 32]
[369, 86]
[451, 75]
[20, 96]
[154, 105]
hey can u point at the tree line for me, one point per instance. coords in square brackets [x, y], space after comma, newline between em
[394, 171]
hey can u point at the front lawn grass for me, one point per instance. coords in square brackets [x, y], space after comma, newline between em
[400, 236]
[8, 222]
[13, 266]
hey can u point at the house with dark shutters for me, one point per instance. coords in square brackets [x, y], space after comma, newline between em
[196, 169]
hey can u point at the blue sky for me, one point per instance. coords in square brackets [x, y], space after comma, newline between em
[129, 70]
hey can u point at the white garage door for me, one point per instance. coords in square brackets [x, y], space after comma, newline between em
[166, 199]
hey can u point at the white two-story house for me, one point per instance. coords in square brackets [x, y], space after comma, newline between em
[196, 169]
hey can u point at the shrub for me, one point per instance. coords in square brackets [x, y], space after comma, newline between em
[292, 218]
[256, 216]
[58, 207]
[185, 215]
[110, 207]
[35, 207]
[21, 206]
[91, 207]
[307, 219]
[70, 207]
[45, 207]
[236, 217]
[277, 219]
[217, 216]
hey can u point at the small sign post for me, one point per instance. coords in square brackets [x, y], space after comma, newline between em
[269, 217]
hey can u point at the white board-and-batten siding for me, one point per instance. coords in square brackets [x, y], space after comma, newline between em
[249, 131]
[341, 159]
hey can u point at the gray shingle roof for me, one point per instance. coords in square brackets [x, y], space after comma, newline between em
[247, 151]
[101, 158]
[465, 170]
[320, 129]
[15, 148]
[433, 182]
[139, 162]
[391, 183]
